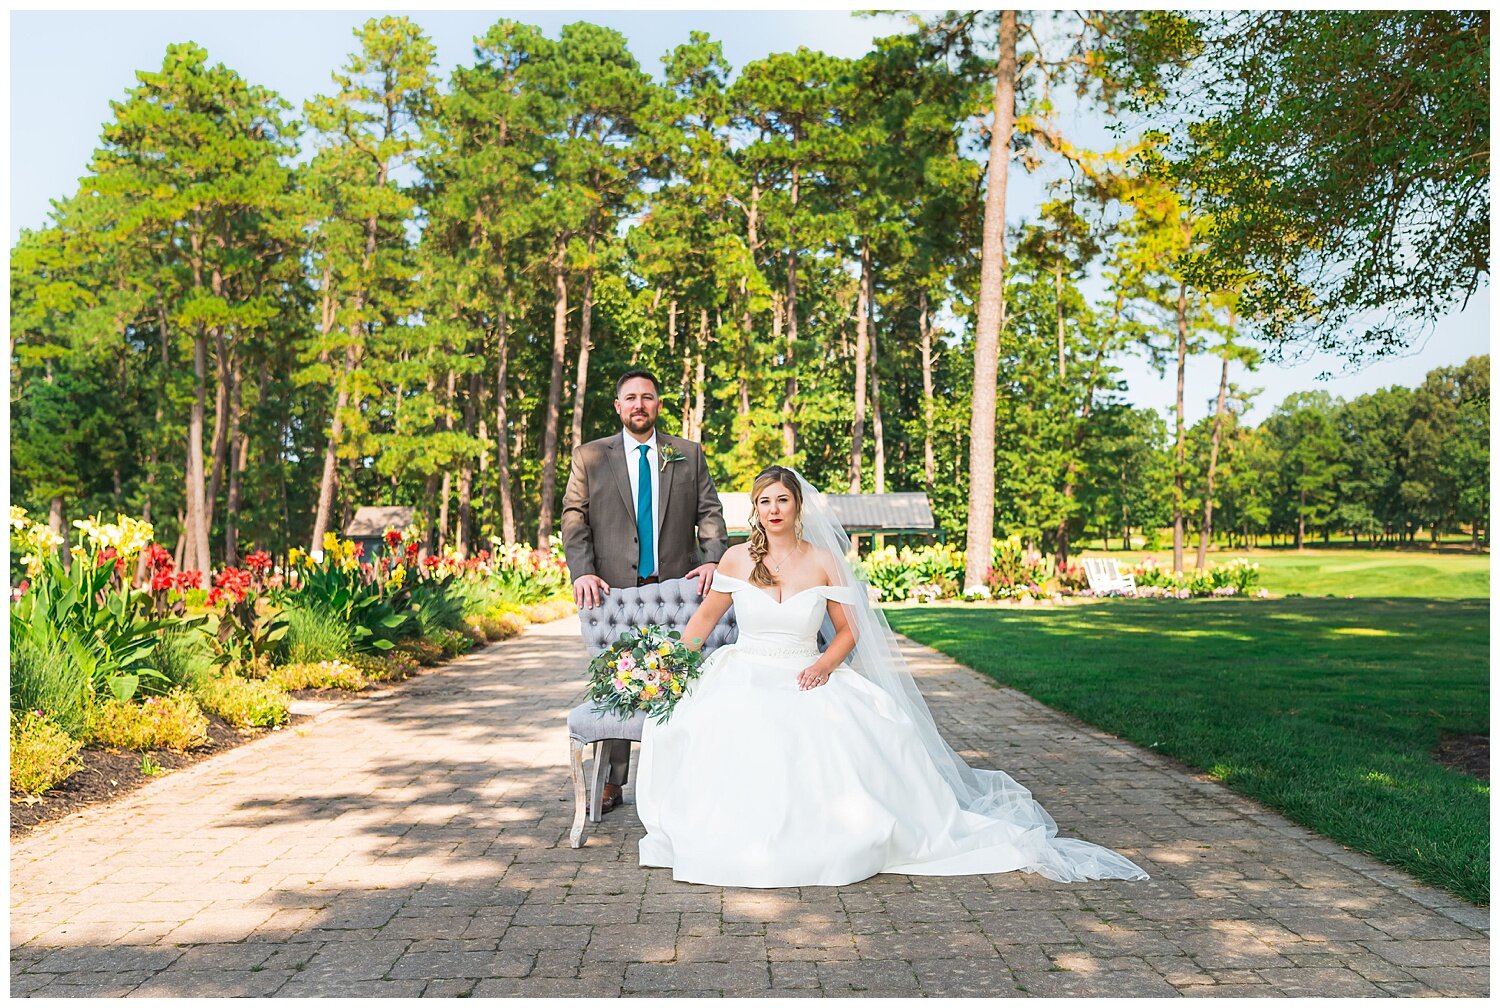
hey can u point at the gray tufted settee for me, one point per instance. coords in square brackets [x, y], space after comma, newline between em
[669, 603]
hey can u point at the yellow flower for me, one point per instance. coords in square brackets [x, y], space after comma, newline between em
[294, 556]
[18, 519]
[664, 650]
[398, 576]
[44, 538]
[331, 543]
[649, 693]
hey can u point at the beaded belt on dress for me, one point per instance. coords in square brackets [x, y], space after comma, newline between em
[770, 651]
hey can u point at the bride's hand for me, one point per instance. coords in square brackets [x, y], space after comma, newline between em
[812, 677]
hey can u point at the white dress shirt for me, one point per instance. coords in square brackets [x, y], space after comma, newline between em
[633, 466]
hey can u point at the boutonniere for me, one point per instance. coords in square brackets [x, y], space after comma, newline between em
[670, 454]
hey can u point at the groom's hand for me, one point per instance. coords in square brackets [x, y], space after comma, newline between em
[590, 588]
[705, 574]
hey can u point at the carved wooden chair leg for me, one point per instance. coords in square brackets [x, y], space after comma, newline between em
[600, 778]
[580, 795]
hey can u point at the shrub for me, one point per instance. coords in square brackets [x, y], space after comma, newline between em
[504, 625]
[44, 677]
[452, 642]
[42, 754]
[551, 609]
[387, 667]
[333, 674]
[313, 634]
[172, 721]
[420, 651]
[244, 703]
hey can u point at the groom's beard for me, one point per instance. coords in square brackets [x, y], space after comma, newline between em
[640, 424]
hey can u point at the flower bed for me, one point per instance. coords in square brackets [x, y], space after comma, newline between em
[99, 659]
[1023, 576]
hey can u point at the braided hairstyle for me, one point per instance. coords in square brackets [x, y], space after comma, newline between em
[759, 544]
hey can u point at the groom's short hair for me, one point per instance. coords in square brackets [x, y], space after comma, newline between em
[638, 373]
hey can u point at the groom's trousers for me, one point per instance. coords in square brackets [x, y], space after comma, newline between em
[616, 755]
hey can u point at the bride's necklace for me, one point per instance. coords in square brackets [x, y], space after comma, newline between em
[784, 559]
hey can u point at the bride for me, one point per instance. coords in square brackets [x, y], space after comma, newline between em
[786, 767]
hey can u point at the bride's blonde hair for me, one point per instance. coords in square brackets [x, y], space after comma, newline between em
[759, 544]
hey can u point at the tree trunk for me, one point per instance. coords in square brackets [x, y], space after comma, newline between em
[585, 329]
[789, 399]
[1179, 491]
[877, 425]
[330, 452]
[861, 364]
[1301, 517]
[554, 396]
[700, 377]
[1062, 366]
[451, 388]
[747, 339]
[357, 330]
[502, 436]
[980, 522]
[197, 557]
[1206, 532]
[442, 522]
[929, 462]
[238, 446]
[463, 533]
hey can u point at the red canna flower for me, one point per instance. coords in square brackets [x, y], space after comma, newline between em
[392, 538]
[190, 579]
[411, 550]
[260, 560]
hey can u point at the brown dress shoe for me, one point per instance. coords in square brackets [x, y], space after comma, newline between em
[612, 796]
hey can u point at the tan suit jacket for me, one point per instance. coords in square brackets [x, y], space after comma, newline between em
[598, 516]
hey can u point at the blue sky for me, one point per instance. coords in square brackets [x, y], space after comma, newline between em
[67, 67]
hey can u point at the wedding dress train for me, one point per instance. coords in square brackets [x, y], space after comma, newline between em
[754, 782]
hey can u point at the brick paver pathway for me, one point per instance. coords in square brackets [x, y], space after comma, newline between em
[416, 843]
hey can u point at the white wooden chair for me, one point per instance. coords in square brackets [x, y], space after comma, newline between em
[668, 603]
[1105, 577]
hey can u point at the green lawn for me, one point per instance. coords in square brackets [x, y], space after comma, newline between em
[1361, 573]
[1325, 709]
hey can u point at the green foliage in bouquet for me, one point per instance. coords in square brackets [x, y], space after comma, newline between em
[647, 669]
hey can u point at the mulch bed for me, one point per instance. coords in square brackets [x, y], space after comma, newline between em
[108, 774]
[1468, 754]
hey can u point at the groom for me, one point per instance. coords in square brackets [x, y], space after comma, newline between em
[639, 508]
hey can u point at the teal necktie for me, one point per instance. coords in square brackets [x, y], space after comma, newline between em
[643, 517]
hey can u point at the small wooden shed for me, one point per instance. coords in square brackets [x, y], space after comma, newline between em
[860, 514]
[367, 527]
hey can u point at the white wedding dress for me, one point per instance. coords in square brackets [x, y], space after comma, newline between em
[755, 782]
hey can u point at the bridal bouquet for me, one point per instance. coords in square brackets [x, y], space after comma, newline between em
[647, 669]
